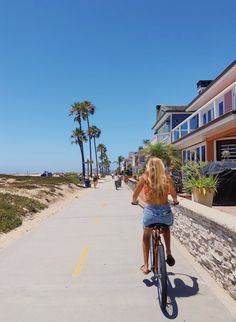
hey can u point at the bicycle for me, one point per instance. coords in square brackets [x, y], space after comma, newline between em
[157, 258]
[158, 262]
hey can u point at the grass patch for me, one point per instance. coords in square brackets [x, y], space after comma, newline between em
[13, 208]
[27, 182]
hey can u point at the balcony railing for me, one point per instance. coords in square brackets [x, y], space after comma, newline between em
[161, 137]
[207, 113]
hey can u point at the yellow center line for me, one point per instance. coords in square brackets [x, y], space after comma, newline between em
[81, 261]
[98, 220]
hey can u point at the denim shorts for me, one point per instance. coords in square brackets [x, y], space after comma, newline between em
[154, 214]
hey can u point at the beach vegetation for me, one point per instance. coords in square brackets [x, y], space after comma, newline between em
[13, 208]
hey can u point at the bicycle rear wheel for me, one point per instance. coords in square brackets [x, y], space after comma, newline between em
[162, 277]
[152, 255]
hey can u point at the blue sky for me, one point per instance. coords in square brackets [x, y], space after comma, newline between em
[124, 56]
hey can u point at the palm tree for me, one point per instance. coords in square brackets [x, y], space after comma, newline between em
[87, 109]
[95, 132]
[169, 155]
[106, 163]
[76, 111]
[120, 159]
[102, 150]
[79, 137]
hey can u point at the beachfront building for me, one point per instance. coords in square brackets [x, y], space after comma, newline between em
[136, 160]
[167, 118]
[211, 127]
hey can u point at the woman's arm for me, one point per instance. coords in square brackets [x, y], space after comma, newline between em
[138, 189]
[172, 190]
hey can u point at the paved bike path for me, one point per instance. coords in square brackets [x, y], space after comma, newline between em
[82, 264]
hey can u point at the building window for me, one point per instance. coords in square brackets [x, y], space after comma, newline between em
[197, 154]
[192, 153]
[221, 108]
[176, 135]
[184, 129]
[226, 145]
[209, 116]
[194, 123]
[203, 150]
[188, 155]
[204, 118]
[184, 156]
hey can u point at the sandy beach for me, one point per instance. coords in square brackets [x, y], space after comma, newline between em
[67, 194]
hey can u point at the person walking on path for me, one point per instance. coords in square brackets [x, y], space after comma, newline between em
[95, 180]
[120, 180]
[116, 180]
[157, 185]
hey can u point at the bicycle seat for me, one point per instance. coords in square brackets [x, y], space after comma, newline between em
[158, 225]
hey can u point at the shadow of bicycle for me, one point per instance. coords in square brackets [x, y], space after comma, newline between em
[175, 289]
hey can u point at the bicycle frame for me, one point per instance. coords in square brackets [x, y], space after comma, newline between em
[155, 242]
[158, 264]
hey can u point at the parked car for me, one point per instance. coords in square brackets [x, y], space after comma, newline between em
[46, 174]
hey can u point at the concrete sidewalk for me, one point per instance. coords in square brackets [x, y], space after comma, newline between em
[83, 263]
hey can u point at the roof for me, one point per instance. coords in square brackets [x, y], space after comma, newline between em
[168, 108]
[212, 83]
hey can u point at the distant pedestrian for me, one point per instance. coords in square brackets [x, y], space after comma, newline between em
[120, 181]
[116, 180]
[95, 180]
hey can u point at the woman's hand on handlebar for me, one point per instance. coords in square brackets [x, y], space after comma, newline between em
[175, 202]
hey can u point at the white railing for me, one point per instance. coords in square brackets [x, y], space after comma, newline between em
[184, 127]
[161, 137]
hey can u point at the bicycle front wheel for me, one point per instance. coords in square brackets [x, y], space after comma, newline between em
[162, 277]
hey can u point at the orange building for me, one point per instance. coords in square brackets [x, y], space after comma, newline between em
[211, 128]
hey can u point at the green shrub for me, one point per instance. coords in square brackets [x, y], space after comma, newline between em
[13, 208]
[9, 221]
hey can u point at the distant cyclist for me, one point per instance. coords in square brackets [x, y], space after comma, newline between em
[116, 180]
[157, 185]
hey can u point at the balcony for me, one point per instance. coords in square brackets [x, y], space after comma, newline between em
[161, 137]
[207, 115]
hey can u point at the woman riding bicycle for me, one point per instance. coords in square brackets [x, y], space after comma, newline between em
[157, 185]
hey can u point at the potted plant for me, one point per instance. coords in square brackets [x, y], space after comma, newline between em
[203, 187]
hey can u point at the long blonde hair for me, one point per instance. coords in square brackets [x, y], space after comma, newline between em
[156, 177]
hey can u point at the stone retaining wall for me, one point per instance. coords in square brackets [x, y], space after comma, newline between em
[210, 236]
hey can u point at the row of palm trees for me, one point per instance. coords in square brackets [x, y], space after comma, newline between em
[82, 111]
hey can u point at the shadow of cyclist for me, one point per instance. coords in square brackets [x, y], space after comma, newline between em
[180, 289]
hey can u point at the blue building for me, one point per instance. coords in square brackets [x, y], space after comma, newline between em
[167, 118]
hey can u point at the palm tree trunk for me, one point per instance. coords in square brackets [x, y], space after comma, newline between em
[82, 151]
[96, 154]
[101, 156]
[82, 158]
[90, 149]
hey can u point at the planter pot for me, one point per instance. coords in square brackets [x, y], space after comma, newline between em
[206, 199]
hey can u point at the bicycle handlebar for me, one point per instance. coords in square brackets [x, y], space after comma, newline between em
[174, 203]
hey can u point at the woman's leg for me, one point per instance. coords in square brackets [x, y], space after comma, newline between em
[169, 258]
[166, 235]
[146, 247]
